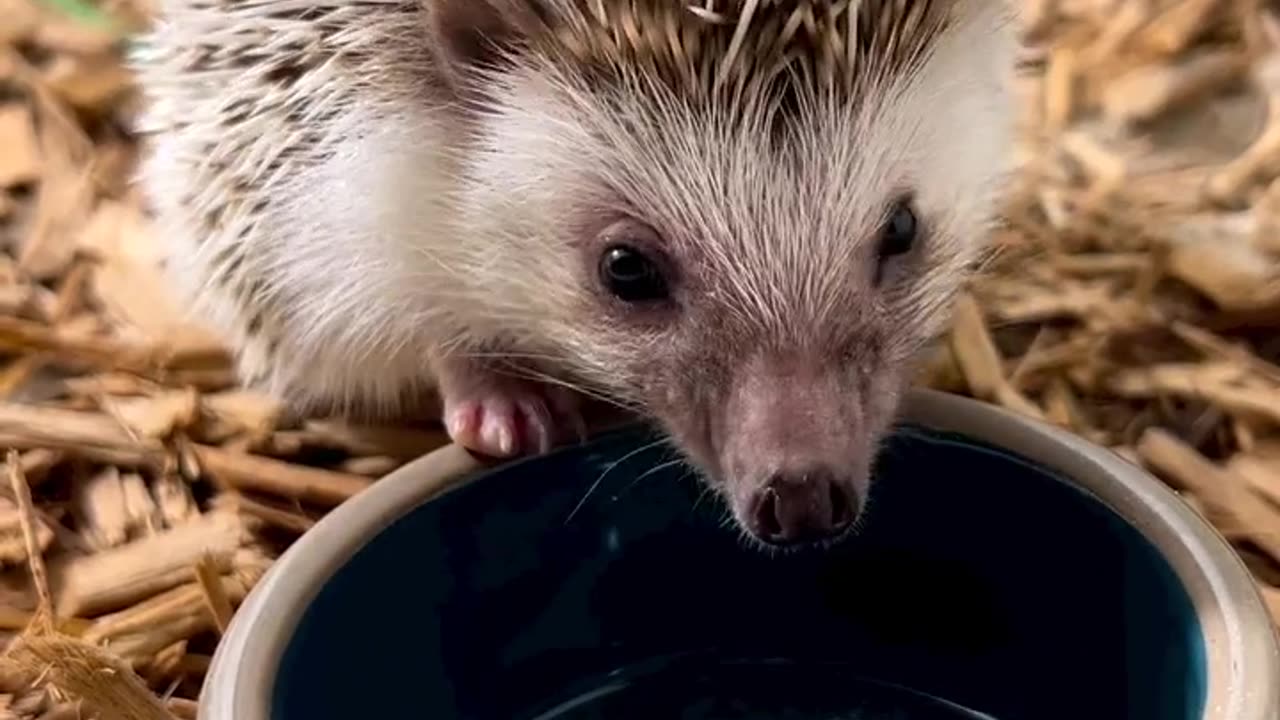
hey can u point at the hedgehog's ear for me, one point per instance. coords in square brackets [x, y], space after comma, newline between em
[470, 34]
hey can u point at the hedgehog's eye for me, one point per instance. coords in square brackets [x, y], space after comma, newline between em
[631, 276]
[898, 235]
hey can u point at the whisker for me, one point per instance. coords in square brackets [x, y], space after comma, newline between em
[526, 373]
[707, 491]
[596, 485]
[655, 469]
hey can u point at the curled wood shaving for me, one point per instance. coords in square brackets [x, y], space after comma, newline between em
[97, 677]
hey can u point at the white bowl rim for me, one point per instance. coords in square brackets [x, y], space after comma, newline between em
[1241, 644]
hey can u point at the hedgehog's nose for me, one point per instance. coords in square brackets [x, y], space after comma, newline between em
[802, 507]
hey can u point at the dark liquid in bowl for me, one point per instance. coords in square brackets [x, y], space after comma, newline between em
[781, 690]
[976, 578]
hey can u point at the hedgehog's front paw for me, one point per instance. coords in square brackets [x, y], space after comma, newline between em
[502, 416]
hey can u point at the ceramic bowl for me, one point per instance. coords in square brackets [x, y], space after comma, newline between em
[1005, 569]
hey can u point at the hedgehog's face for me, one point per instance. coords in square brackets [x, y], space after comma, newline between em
[756, 282]
[772, 335]
[763, 297]
[777, 376]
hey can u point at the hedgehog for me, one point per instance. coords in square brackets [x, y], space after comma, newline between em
[741, 220]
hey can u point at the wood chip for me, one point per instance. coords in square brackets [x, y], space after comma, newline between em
[246, 472]
[182, 708]
[980, 361]
[174, 500]
[1176, 28]
[87, 83]
[37, 464]
[158, 416]
[1262, 474]
[14, 548]
[1229, 268]
[396, 442]
[99, 503]
[1226, 497]
[215, 595]
[277, 517]
[131, 283]
[91, 435]
[79, 348]
[31, 536]
[20, 162]
[251, 413]
[1271, 596]
[1227, 385]
[97, 677]
[84, 586]
[144, 513]
[172, 605]
[178, 614]
[63, 203]
[1151, 91]
[22, 19]
[1228, 187]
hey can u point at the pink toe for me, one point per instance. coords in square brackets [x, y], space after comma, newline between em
[497, 432]
[462, 422]
[537, 423]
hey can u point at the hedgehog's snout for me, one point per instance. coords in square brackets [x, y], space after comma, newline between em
[805, 506]
[794, 452]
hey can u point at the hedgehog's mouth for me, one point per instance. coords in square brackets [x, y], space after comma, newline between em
[784, 510]
[794, 451]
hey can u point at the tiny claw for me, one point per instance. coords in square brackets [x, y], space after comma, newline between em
[500, 416]
[538, 424]
[497, 433]
[462, 420]
[506, 443]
